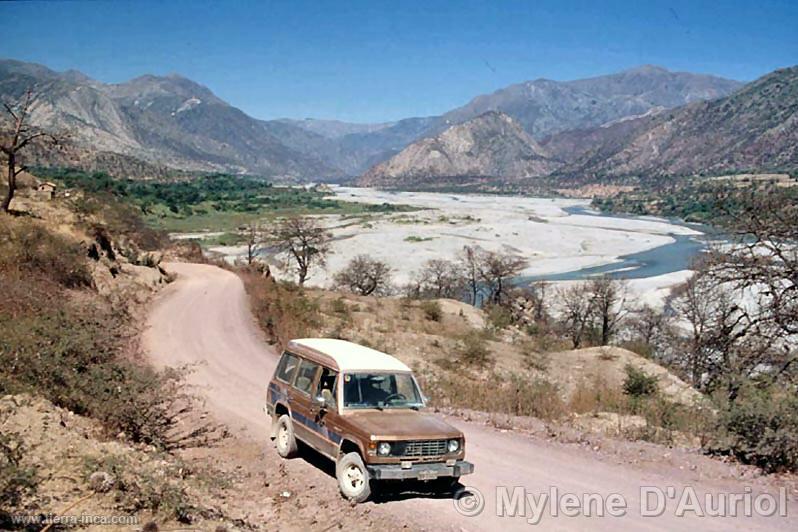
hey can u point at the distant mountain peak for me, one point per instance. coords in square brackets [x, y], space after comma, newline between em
[491, 145]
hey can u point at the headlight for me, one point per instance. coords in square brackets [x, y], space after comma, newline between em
[453, 445]
[384, 449]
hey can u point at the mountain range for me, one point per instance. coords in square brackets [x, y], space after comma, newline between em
[154, 122]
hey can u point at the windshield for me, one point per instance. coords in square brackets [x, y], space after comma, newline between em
[381, 390]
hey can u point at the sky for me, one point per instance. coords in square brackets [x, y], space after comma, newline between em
[373, 61]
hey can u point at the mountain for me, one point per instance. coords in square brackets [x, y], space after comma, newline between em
[544, 107]
[153, 123]
[163, 121]
[492, 145]
[755, 128]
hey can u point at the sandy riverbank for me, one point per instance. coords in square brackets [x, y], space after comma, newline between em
[539, 229]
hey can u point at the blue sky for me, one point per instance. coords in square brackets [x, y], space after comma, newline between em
[374, 61]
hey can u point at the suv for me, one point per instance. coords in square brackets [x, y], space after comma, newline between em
[362, 409]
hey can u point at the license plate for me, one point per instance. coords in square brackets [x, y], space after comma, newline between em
[427, 475]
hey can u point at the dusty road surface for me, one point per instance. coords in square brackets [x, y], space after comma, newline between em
[203, 319]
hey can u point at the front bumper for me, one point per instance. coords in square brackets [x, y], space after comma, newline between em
[420, 471]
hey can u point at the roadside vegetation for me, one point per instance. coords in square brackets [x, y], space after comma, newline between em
[68, 340]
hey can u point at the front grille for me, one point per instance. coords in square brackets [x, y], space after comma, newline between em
[420, 448]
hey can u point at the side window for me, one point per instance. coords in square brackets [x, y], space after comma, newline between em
[327, 384]
[305, 376]
[287, 368]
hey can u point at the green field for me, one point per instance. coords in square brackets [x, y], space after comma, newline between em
[218, 202]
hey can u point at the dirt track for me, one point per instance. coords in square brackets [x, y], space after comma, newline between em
[203, 319]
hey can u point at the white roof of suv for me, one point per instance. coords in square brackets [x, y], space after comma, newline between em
[351, 357]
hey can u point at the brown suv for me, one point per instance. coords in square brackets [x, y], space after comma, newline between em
[362, 409]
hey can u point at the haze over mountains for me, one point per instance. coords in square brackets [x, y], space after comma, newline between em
[609, 125]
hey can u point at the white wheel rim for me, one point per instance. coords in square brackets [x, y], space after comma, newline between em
[354, 478]
[282, 437]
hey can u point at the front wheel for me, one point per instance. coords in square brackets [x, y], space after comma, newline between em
[285, 440]
[446, 484]
[353, 477]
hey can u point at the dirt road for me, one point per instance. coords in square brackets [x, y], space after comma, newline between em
[203, 319]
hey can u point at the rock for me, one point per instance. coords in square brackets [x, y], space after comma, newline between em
[101, 482]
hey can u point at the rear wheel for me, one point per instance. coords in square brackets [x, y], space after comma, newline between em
[353, 477]
[285, 440]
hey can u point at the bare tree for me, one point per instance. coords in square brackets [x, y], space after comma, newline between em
[254, 242]
[608, 298]
[649, 325]
[576, 312]
[720, 343]
[537, 297]
[469, 262]
[440, 278]
[16, 133]
[495, 270]
[365, 275]
[302, 241]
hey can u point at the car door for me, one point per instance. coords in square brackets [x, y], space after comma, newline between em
[327, 419]
[303, 411]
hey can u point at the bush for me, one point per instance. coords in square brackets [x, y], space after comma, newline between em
[760, 427]
[638, 384]
[28, 248]
[473, 349]
[499, 317]
[16, 481]
[432, 310]
[496, 393]
[72, 353]
[283, 310]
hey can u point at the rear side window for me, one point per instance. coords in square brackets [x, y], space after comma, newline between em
[287, 367]
[305, 376]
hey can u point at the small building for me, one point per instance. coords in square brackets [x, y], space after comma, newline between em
[46, 190]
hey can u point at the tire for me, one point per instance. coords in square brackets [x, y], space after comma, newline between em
[285, 440]
[446, 484]
[353, 478]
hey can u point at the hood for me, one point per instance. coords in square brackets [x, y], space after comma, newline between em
[404, 424]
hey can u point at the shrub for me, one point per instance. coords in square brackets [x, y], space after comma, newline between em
[432, 310]
[497, 393]
[16, 481]
[283, 310]
[72, 353]
[638, 384]
[29, 248]
[473, 349]
[760, 427]
[499, 317]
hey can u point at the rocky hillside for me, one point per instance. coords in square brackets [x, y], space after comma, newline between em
[163, 121]
[756, 128]
[544, 107]
[492, 145]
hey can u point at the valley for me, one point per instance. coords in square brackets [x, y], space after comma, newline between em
[556, 237]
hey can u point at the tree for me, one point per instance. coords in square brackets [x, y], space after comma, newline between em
[301, 241]
[440, 278]
[576, 312]
[721, 344]
[365, 276]
[495, 269]
[469, 261]
[608, 299]
[16, 133]
[254, 242]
